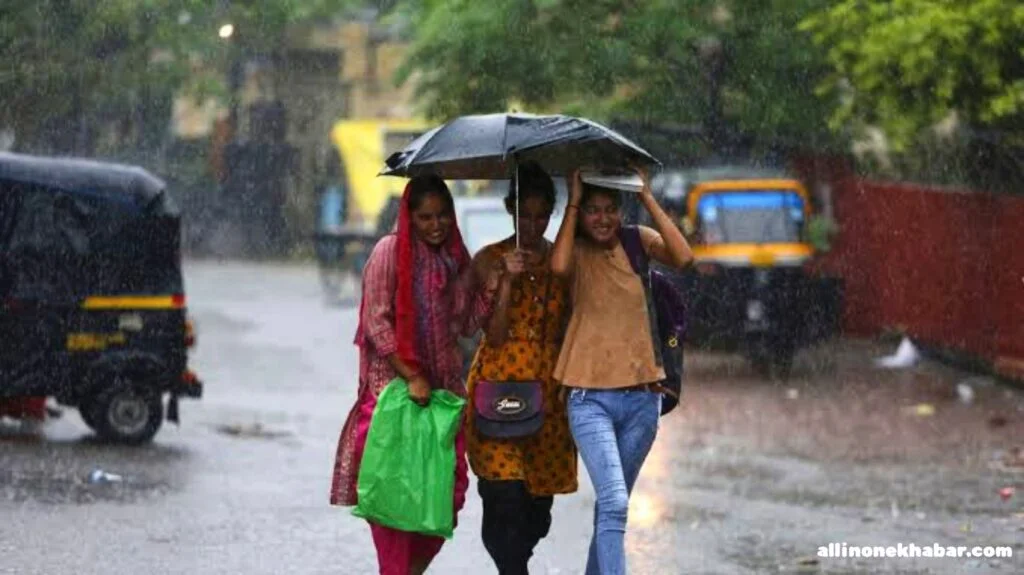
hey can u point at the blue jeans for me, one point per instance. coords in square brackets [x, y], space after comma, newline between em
[614, 431]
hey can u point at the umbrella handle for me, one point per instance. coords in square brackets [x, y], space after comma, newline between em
[516, 176]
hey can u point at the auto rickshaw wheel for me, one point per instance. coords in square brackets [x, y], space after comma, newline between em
[127, 414]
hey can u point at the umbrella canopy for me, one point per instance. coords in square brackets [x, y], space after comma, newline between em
[488, 146]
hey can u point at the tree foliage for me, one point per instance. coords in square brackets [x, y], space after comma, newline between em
[71, 67]
[905, 65]
[619, 58]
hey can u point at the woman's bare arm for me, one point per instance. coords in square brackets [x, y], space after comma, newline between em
[670, 248]
[565, 241]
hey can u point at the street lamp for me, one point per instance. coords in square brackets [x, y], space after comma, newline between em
[236, 73]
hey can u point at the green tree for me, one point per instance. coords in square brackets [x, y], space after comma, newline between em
[73, 69]
[905, 65]
[619, 58]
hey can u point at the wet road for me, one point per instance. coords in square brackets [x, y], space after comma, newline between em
[748, 477]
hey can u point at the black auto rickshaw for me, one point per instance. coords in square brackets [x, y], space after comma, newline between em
[92, 302]
[750, 289]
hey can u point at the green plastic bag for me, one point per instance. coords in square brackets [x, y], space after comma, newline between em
[407, 473]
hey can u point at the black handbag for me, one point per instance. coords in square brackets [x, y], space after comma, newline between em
[512, 409]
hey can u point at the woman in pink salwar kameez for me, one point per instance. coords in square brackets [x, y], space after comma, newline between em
[419, 296]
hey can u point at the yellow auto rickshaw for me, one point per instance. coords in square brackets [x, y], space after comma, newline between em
[750, 289]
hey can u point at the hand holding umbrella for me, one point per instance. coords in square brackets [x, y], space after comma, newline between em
[515, 262]
[575, 189]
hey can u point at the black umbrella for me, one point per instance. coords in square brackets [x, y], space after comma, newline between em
[488, 147]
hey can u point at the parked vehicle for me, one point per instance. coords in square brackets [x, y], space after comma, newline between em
[749, 289]
[92, 301]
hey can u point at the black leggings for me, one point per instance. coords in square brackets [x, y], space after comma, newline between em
[514, 522]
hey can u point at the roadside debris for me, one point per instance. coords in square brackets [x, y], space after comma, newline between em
[965, 392]
[253, 430]
[807, 564]
[1006, 493]
[792, 393]
[920, 410]
[906, 356]
[100, 477]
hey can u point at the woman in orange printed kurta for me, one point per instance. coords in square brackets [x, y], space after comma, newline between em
[518, 477]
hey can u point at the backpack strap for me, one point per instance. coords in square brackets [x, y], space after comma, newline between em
[632, 243]
[629, 237]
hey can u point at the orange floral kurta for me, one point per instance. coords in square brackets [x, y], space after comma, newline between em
[546, 461]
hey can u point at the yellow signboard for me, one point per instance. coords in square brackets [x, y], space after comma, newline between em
[363, 146]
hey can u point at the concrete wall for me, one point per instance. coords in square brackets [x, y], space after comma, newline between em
[945, 266]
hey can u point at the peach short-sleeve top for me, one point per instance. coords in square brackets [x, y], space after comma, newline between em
[608, 341]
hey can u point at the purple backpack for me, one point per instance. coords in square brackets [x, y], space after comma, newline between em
[666, 309]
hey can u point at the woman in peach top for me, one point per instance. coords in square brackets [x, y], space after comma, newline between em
[607, 360]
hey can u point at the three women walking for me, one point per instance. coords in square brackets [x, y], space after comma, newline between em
[553, 318]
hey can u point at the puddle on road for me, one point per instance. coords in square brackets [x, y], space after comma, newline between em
[53, 467]
[251, 431]
[72, 486]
